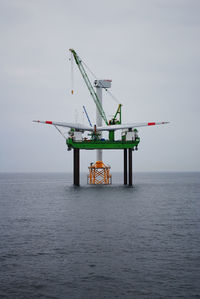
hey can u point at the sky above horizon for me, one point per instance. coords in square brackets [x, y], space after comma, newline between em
[149, 48]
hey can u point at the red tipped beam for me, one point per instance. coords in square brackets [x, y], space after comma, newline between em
[151, 124]
[43, 122]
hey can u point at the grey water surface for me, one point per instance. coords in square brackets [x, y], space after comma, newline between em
[60, 241]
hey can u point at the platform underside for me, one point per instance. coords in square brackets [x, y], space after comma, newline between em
[99, 144]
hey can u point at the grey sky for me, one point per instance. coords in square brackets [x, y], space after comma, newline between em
[149, 48]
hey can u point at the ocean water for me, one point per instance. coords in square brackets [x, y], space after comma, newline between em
[60, 241]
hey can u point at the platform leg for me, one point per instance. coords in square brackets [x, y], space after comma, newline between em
[130, 166]
[76, 167]
[125, 166]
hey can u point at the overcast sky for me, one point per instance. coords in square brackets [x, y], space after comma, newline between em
[149, 48]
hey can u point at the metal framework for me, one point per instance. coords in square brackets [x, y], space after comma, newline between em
[89, 85]
[99, 174]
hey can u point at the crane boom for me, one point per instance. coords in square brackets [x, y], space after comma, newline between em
[89, 85]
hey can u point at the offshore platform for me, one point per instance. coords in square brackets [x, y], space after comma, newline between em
[99, 172]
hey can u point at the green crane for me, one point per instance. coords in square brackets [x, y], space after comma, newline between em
[114, 120]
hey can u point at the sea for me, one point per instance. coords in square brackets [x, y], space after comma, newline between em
[61, 241]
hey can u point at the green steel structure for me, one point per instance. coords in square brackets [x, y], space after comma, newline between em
[102, 144]
[95, 142]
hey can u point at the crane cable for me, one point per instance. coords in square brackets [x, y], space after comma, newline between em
[60, 132]
[112, 96]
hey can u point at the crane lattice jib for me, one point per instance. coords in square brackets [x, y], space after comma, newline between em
[89, 86]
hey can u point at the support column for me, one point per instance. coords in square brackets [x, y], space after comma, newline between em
[125, 166]
[99, 152]
[130, 166]
[76, 167]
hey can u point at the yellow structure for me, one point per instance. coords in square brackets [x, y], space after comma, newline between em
[99, 174]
